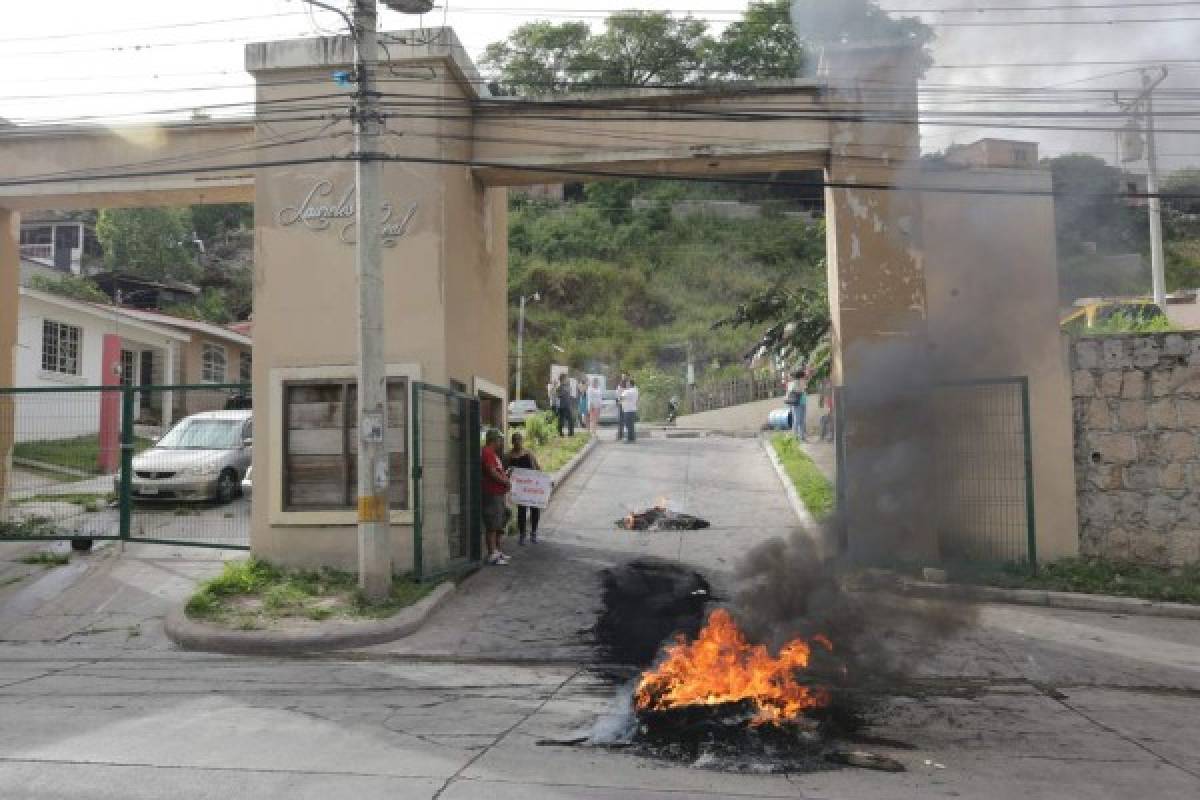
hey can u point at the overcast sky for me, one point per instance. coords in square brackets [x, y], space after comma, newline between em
[74, 58]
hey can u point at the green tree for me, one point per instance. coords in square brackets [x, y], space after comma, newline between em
[639, 48]
[761, 45]
[538, 57]
[795, 323]
[1184, 182]
[148, 242]
[211, 221]
[821, 23]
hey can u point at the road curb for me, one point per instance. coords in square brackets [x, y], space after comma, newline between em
[564, 472]
[802, 513]
[1072, 601]
[192, 635]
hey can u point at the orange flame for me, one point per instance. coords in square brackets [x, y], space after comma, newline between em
[720, 666]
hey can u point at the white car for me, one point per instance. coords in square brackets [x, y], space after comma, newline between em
[609, 414]
[204, 457]
[521, 410]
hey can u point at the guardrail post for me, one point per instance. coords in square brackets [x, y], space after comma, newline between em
[125, 495]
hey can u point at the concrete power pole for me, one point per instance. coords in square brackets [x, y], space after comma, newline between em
[1157, 267]
[374, 529]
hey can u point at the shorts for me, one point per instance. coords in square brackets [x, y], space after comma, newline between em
[495, 512]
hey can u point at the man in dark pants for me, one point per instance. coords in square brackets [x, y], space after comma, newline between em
[566, 406]
[621, 384]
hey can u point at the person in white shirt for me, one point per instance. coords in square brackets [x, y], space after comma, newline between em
[628, 399]
[595, 398]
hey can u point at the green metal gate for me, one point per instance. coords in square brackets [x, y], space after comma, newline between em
[446, 481]
[981, 487]
[67, 469]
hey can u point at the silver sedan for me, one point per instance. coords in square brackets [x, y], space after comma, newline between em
[204, 457]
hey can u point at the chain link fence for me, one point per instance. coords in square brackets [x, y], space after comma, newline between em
[162, 464]
[446, 481]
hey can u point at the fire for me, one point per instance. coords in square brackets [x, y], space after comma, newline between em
[720, 666]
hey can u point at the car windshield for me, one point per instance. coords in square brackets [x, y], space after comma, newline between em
[203, 434]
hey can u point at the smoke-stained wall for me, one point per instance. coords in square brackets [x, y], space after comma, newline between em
[1137, 446]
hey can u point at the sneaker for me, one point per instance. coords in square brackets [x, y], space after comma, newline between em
[495, 560]
[502, 559]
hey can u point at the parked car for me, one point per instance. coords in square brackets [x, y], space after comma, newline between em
[520, 410]
[203, 457]
[608, 408]
[247, 484]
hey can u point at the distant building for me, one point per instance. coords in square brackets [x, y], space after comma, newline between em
[134, 292]
[56, 240]
[995, 153]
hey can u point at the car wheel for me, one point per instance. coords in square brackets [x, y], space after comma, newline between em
[226, 486]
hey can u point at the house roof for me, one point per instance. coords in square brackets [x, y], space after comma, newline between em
[113, 278]
[102, 312]
[196, 326]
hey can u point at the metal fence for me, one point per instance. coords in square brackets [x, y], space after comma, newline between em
[77, 463]
[447, 521]
[735, 391]
[981, 487]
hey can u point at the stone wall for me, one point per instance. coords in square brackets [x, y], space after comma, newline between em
[1136, 400]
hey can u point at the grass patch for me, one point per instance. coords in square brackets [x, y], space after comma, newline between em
[45, 559]
[814, 488]
[88, 501]
[255, 594]
[1092, 576]
[6, 582]
[558, 450]
[30, 527]
[80, 453]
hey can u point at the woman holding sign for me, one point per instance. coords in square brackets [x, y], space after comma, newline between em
[519, 457]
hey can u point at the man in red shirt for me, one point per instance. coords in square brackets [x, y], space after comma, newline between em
[495, 489]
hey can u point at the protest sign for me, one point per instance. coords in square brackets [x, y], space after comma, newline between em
[531, 488]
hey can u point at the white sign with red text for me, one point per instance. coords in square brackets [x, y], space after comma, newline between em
[531, 488]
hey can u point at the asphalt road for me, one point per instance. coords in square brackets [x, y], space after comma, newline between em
[1026, 702]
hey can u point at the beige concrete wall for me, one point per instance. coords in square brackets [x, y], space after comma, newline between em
[140, 150]
[10, 270]
[191, 364]
[991, 281]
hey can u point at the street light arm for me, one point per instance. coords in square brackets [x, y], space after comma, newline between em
[345, 17]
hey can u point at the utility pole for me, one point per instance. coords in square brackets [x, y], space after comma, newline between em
[374, 479]
[521, 340]
[1157, 268]
[374, 529]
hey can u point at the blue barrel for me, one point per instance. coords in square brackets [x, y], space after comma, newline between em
[780, 420]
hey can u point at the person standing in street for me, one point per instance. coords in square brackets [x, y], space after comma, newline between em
[595, 399]
[629, 409]
[495, 491]
[622, 382]
[582, 405]
[797, 400]
[527, 516]
[566, 406]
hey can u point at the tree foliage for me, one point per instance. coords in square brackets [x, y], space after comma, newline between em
[147, 242]
[642, 48]
[75, 287]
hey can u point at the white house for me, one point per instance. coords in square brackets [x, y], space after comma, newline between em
[63, 343]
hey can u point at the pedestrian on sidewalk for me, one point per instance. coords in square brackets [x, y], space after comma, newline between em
[622, 382]
[519, 457]
[495, 493]
[595, 401]
[797, 400]
[583, 402]
[566, 406]
[629, 410]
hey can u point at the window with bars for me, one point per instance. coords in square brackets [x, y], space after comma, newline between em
[128, 367]
[60, 347]
[321, 445]
[212, 363]
[245, 367]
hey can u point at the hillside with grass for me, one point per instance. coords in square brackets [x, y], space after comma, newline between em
[625, 284]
